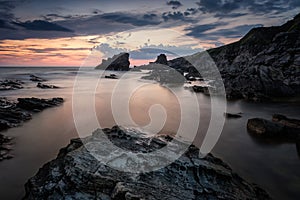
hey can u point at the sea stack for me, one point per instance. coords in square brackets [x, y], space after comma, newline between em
[118, 62]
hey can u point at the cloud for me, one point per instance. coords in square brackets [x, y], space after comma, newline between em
[174, 4]
[176, 16]
[40, 25]
[213, 32]
[224, 8]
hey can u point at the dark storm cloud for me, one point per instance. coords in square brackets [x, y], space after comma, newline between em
[224, 8]
[174, 4]
[206, 32]
[6, 8]
[148, 53]
[40, 25]
[133, 19]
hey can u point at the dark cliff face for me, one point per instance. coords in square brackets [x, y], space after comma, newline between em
[118, 62]
[264, 64]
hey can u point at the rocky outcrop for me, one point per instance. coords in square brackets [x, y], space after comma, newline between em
[118, 62]
[280, 128]
[76, 174]
[263, 65]
[11, 85]
[13, 114]
[36, 104]
[161, 59]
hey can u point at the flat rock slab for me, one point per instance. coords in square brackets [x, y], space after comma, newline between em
[77, 174]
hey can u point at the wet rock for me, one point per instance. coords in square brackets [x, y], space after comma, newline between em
[76, 174]
[118, 62]
[36, 78]
[294, 123]
[38, 104]
[271, 129]
[44, 86]
[11, 85]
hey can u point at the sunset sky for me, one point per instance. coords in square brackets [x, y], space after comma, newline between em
[64, 32]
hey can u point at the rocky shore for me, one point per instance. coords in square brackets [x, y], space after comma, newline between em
[76, 174]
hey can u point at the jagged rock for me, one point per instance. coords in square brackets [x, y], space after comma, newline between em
[76, 174]
[38, 104]
[161, 59]
[263, 65]
[44, 86]
[36, 78]
[11, 85]
[118, 62]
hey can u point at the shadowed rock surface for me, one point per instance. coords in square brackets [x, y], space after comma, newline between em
[36, 104]
[161, 59]
[76, 174]
[263, 65]
[118, 62]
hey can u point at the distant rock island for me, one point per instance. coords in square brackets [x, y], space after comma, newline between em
[118, 62]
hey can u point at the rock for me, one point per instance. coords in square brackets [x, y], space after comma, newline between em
[270, 129]
[161, 59]
[294, 123]
[38, 104]
[118, 62]
[5, 147]
[11, 85]
[262, 66]
[76, 174]
[232, 115]
[111, 76]
[36, 78]
[44, 86]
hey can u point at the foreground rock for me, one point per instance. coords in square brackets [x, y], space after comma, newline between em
[76, 174]
[118, 62]
[280, 128]
[161, 59]
[11, 85]
[36, 104]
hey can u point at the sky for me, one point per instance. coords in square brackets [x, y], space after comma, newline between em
[83, 32]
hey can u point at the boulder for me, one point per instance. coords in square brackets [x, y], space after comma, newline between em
[76, 174]
[118, 62]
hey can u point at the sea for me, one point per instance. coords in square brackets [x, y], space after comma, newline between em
[273, 166]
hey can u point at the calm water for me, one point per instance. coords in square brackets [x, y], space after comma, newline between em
[273, 166]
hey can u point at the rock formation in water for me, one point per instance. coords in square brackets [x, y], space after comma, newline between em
[36, 78]
[13, 114]
[76, 174]
[264, 64]
[11, 85]
[44, 86]
[118, 62]
[161, 59]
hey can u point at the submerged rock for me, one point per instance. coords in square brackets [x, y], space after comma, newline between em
[76, 174]
[5, 147]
